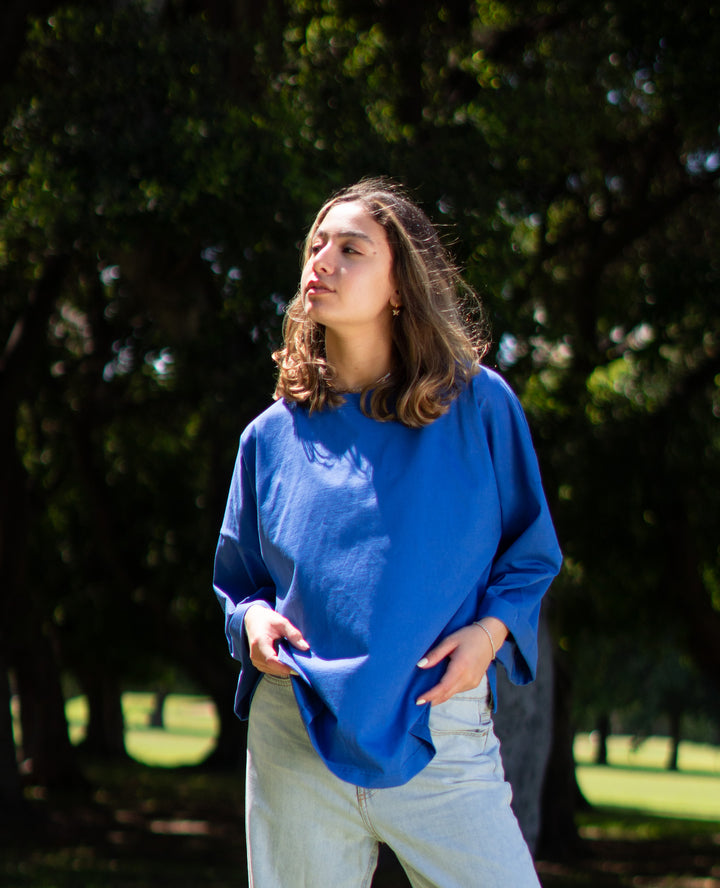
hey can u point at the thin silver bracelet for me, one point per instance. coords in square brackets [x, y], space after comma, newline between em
[489, 635]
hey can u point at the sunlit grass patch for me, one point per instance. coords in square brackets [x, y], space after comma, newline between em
[660, 792]
[636, 777]
[653, 752]
[188, 736]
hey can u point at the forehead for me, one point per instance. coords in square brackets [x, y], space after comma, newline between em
[351, 218]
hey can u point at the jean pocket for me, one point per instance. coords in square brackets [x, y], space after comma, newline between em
[468, 712]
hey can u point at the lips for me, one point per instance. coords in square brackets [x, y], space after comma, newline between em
[316, 286]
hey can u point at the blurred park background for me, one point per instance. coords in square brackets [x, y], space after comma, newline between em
[160, 163]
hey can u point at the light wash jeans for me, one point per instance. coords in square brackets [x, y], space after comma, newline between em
[450, 826]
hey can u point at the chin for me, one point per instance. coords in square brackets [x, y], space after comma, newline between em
[315, 313]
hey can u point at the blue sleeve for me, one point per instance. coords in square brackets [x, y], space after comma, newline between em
[528, 557]
[241, 578]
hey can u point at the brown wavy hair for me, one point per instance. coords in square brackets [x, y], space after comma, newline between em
[439, 337]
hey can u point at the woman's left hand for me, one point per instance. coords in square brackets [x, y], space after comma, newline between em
[469, 654]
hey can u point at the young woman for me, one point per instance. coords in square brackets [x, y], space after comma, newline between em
[386, 540]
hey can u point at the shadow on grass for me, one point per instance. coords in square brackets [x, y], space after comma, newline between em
[625, 847]
[141, 827]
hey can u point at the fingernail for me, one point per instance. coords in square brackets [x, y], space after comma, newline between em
[422, 663]
[420, 702]
[292, 672]
[303, 645]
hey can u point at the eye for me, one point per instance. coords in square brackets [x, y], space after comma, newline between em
[349, 249]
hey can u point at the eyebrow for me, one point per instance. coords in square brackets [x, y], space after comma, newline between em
[350, 233]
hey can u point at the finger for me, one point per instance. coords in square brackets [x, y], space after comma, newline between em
[295, 637]
[265, 659]
[262, 624]
[265, 649]
[438, 694]
[458, 676]
[442, 691]
[438, 653]
[282, 628]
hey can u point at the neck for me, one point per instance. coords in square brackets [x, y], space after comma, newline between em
[357, 362]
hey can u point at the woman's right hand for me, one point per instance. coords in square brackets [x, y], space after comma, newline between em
[264, 629]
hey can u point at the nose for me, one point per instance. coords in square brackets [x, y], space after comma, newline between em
[322, 259]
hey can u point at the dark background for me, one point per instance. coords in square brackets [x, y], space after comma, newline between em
[159, 165]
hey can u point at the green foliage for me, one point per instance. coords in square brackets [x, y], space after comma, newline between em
[125, 153]
[571, 153]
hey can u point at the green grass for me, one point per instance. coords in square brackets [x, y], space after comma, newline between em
[669, 794]
[149, 826]
[636, 779]
[191, 726]
[653, 752]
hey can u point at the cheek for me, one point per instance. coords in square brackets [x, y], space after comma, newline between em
[387, 284]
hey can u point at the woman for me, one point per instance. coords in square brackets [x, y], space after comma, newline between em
[386, 538]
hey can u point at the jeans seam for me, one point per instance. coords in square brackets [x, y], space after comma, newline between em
[363, 795]
[479, 732]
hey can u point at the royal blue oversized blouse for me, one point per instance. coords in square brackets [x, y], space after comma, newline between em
[377, 540]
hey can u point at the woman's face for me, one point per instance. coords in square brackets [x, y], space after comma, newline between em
[347, 283]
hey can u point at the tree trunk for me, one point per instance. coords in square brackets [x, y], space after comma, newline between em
[559, 837]
[105, 737]
[157, 716]
[229, 752]
[25, 646]
[524, 725]
[675, 733]
[45, 742]
[12, 565]
[203, 661]
[703, 621]
[602, 730]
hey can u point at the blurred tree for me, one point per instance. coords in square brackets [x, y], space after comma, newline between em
[12, 802]
[674, 693]
[157, 177]
[144, 195]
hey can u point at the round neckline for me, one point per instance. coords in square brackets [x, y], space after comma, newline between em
[370, 387]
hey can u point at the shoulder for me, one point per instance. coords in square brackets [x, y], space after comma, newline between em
[270, 426]
[490, 384]
[496, 404]
[272, 420]
[488, 388]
